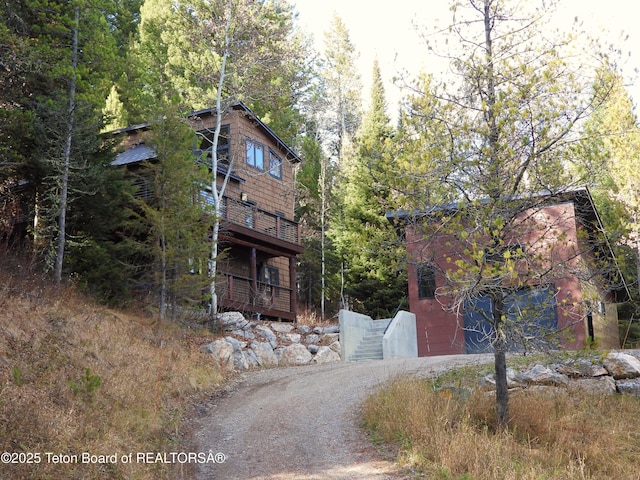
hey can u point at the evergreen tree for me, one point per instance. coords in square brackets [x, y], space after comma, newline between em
[73, 49]
[176, 215]
[609, 150]
[363, 237]
[512, 113]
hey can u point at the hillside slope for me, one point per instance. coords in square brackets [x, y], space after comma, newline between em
[83, 386]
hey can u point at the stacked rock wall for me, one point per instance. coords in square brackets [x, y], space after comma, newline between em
[252, 343]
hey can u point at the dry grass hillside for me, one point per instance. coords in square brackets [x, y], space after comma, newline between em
[442, 435]
[80, 379]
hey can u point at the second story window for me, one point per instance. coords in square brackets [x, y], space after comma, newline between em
[255, 154]
[205, 143]
[275, 165]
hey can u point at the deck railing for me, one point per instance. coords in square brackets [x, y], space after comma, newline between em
[248, 215]
[238, 292]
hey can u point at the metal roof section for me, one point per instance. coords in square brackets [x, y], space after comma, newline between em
[135, 154]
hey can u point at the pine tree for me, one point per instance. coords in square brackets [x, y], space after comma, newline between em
[512, 113]
[176, 215]
[364, 239]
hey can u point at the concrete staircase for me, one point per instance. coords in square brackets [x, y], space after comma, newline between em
[370, 347]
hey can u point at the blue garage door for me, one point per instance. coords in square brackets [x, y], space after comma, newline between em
[531, 314]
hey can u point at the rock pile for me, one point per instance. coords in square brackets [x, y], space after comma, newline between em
[253, 343]
[617, 372]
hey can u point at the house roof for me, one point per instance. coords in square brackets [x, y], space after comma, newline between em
[292, 156]
[142, 152]
[585, 209]
[135, 154]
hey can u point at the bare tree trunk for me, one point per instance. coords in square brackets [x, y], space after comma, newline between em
[163, 268]
[64, 184]
[218, 195]
[323, 206]
[500, 362]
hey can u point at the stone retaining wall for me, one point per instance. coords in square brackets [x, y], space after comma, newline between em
[252, 343]
[615, 372]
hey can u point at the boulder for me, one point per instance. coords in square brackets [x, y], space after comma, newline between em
[237, 346]
[240, 360]
[629, 386]
[230, 319]
[252, 359]
[291, 337]
[325, 355]
[514, 380]
[295, 354]
[313, 349]
[304, 329]
[329, 338]
[622, 365]
[243, 324]
[265, 356]
[281, 327]
[581, 367]
[599, 385]
[267, 334]
[541, 375]
[313, 338]
[221, 351]
[243, 334]
[331, 329]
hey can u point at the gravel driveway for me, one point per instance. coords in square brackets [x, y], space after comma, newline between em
[301, 423]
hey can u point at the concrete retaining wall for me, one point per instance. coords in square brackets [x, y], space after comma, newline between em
[353, 326]
[401, 340]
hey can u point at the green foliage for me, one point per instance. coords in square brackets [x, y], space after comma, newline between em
[176, 214]
[370, 250]
[16, 375]
[86, 386]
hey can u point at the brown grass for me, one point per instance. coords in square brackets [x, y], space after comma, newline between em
[550, 437]
[314, 319]
[77, 377]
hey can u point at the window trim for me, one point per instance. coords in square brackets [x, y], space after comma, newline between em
[426, 285]
[203, 136]
[273, 166]
[251, 160]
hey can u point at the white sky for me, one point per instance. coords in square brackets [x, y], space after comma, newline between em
[386, 29]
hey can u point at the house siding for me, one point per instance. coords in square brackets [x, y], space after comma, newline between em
[440, 330]
[258, 229]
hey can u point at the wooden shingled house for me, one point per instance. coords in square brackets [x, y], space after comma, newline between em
[258, 233]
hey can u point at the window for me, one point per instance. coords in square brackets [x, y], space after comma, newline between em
[249, 217]
[275, 165]
[206, 196]
[255, 154]
[144, 186]
[271, 279]
[426, 281]
[205, 138]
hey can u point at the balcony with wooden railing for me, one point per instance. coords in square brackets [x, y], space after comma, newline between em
[246, 295]
[266, 227]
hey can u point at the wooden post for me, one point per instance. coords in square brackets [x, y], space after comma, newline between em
[293, 297]
[254, 276]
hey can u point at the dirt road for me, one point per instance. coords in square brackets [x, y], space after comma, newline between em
[301, 423]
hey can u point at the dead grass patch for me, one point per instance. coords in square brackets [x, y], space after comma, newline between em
[77, 377]
[550, 437]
